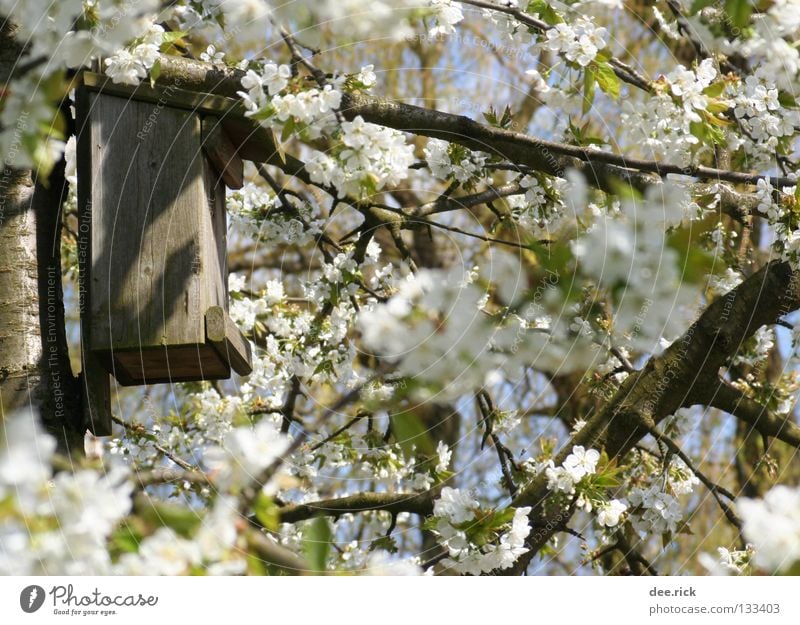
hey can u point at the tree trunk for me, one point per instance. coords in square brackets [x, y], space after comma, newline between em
[35, 370]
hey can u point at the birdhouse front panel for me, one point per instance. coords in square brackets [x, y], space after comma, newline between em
[155, 208]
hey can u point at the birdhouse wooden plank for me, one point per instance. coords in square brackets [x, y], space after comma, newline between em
[153, 248]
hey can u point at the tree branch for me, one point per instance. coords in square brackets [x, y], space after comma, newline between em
[275, 554]
[733, 401]
[168, 476]
[677, 378]
[623, 71]
[716, 490]
[417, 503]
[602, 169]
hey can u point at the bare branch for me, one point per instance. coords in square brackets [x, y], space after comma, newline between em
[733, 401]
[417, 503]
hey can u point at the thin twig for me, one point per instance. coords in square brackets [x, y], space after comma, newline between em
[622, 70]
[715, 489]
[140, 429]
[336, 433]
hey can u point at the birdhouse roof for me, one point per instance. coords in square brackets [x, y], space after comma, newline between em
[252, 141]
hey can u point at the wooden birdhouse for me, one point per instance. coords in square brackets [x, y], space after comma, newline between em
[152, 172]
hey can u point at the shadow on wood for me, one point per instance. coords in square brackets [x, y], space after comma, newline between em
[152, 246]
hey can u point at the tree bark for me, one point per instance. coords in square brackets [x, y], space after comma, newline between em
[686, 374]
[35, 371]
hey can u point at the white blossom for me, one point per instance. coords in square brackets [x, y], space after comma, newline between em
[455, 505]
[608, 515]
[447, 14]
[772, 524]
[581, 462]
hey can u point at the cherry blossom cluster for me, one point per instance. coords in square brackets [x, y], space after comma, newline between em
[213, 549]
[447, 160]
[573, 478]
[54, 525]
[728, 562]
[663, 124]
[538, 208]
[654, 508]
[689, 85]
[131, 66]
[766, 125]
[447, 14]
[368, 158]
[432, 327]
[579, 41]
[267, 101]
[258, 214]
[478, 542]
[772, 525]
[237, 459]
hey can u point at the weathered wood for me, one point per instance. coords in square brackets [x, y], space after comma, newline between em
[156, 249]
[223, 334]
[148, 278]
[253, 142]
[171, 95]
[222, 153]
[184, 363]
[95, 395]
[95, 383]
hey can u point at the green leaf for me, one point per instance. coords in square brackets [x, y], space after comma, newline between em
[717, 106]
[715, 132]
[739, 11]
[158, 513]
[172, 37]
[125, 539]
[502, 121]
[288, 129]
[278, 146]
[715, 90]
[387, 543]
[625, 190]
[264, 114]
[709, 132]
[589, 81]
[369, 184]
[500, 518]
[317, 543]
[553, 257]
[609, 82]
[411, 433]
[545, 11]
[606, 481]
[787, 100]
[266, 512]
[155, 72]
[603, 56]
[443, 476]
